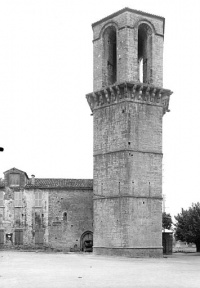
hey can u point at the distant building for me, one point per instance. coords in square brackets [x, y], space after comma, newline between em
[54, 213]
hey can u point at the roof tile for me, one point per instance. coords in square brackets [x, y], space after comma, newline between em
[60, 183]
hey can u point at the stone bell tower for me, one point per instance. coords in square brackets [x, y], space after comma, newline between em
[128, 103]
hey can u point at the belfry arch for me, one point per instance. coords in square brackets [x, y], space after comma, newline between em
[145, 53]
[109, 56]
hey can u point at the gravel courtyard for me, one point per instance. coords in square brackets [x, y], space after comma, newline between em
[57, 270]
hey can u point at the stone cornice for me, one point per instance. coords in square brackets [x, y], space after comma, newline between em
[129, 91]
[126, 9]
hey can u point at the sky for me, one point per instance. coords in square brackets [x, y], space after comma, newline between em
[46, 69]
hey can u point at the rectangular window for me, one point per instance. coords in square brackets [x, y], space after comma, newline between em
[18, 237]
[14, 179]
[1, 199]
[18, 199]
[38, 199]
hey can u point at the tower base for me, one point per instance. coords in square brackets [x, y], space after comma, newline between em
[145, 252]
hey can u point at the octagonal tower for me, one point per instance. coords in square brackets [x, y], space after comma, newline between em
[128, 103]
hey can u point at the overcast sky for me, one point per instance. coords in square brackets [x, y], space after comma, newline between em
[46, 59]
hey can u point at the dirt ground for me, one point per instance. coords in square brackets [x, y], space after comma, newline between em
[57, 270]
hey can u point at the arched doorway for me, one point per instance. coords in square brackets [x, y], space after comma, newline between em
[86, 242]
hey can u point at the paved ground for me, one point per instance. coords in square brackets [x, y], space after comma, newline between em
[57, 270]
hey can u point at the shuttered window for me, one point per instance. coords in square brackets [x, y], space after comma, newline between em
[18, 199]
[38, 199]
[1, 199]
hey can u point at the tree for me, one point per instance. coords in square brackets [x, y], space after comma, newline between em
[166, 220]
[188, 225]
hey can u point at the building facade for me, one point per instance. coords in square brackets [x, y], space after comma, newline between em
[38, 212]
[128, 103]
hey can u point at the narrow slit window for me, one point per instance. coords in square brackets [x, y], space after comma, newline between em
[65, 216]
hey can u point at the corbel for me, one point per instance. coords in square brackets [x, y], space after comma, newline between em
[133, 92]
[140, 92]
[113, 96]
[118, 92]
[153, 94]
[106, 96]
[125, 90]
[147, 94]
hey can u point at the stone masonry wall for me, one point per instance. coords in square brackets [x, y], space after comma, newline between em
[124, 222]
[128, 125]
[65, 231]
[128, 176]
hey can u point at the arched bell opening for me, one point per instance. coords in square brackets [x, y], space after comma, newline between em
[145, 53]
[110, 56]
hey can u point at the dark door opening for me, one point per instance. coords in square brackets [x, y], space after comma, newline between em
[86, 243]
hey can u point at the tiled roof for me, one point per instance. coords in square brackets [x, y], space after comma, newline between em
[46, 183]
